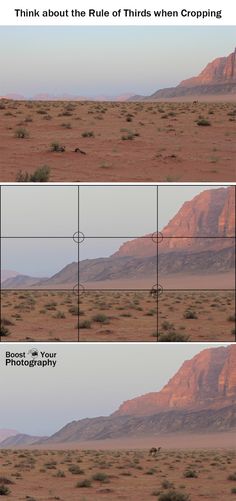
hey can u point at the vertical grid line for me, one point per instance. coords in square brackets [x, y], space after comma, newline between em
[157, 249]
[78, 303]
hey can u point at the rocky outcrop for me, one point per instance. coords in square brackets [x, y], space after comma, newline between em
[209, 214]
[221, 70]
[208, 381]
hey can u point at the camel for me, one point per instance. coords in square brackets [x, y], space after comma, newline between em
[153, 293]
[154, 451]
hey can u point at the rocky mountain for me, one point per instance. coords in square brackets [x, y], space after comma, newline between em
[20, 282]
[211, 213]
[5, 433]
[174, 421]
[217, 78]
[219, 71]
[201, 397]
[6, 274]
[208, 381]
[20, 439]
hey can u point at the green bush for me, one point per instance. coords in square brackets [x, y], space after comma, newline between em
[190, 314]
[86, 324]
[75, 470]
[4, 491]
[172, 337]
[87, 134]
[40, 175]
[84, 483]
[4, 331]
[21, 133]
[203, 122]
[174, 496]
[232, 476]
[101, 318]
[101, 477]
[190, 474]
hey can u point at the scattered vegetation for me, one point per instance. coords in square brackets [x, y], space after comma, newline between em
[40, 175]
[21, 133]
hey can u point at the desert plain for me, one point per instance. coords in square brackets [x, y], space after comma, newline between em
[117, 316]
[185, 469]
[118, 141]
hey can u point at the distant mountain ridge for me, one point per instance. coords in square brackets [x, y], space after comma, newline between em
[66, 97]
[20, 439]
[5, 433]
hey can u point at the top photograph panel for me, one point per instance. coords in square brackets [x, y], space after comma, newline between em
[118, 104]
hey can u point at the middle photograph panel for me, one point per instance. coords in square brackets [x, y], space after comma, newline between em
[110, 263]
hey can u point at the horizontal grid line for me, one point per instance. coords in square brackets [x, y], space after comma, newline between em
[113, 290]
[119, 237]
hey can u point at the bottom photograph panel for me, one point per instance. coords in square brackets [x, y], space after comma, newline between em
[134, 421]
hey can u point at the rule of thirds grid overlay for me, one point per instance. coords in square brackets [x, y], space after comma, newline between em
[110, 251]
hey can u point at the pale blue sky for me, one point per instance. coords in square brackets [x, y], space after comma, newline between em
[88, 381]
[109, 61]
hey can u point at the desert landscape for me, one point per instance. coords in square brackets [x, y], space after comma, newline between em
[119, 316]
[176, 475]
[182, 133]
[167, 286]
[132, 142]
[176, 444]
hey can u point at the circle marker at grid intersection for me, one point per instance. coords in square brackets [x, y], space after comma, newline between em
[78, 237]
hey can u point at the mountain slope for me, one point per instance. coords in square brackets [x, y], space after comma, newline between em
[5, 433]
[20, 439]
[174, 421]
[208, 381]
[20, 281]
[219, 71]
[6, 274]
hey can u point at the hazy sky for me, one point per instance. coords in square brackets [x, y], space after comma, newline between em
[94, 61]
[88, 381]
[111, 211]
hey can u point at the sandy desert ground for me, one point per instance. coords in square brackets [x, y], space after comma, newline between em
[87, 474]
[118, 316]
[201, 316]
[39, 315]
[127, 141]
[103, 316]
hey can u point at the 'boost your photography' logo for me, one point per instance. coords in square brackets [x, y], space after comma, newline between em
[31, 358]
